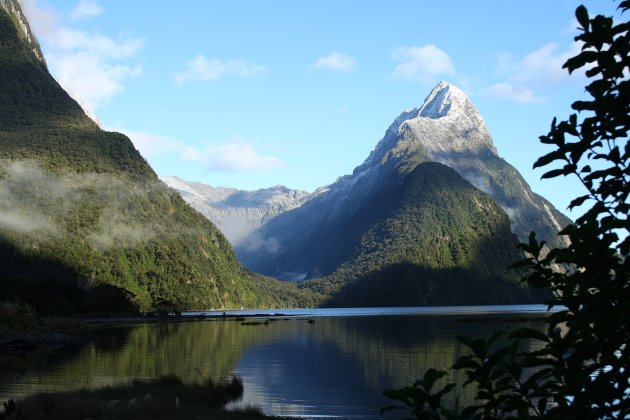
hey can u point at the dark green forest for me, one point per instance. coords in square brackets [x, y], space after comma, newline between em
[578, 367]
[86, 224]
[87, 227]
[428, 238]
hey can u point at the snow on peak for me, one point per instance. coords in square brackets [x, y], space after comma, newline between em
[442, 98]
[447, 123]
[179, 184]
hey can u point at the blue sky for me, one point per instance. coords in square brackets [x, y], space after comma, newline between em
[251, 94]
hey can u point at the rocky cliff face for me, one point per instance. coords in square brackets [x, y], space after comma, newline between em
[237, 213]
[13, 8]
[85, 224]
[447, 129]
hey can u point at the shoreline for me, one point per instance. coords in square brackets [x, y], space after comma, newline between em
[58, 331]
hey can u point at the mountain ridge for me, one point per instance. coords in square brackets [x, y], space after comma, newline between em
[437, 240]
[14, 9]
[236, 212]
[85, 224]
[447, 129]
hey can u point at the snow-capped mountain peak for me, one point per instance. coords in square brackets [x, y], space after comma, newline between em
[441, 99]
[447, 123]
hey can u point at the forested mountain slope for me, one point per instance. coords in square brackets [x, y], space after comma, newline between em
[85, 224]
[427, 238]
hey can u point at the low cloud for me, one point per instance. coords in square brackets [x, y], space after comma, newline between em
[232, 157]
[258, 243]
[336, 61]
[115, 228]
[40, 205]
[25, 221]
[31, 213]
[202, 69]
[424, 63]
[235, 228]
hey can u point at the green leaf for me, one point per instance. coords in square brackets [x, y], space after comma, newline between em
[465, 362]
[542, 405]
[529, 333]
[578, 201]
[430, 376]
[553, 173]
[390, 408]
[574, 63]
[548, 158]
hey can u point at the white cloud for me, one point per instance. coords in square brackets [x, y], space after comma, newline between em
[543, 65]
[25, 221]
[200, 68]
[86, 9]
[68, 39]
[237, 156]
[336, 61]
[572, 27]
[534, 71]
[43, 20]
[91, 67]
[423, 63]
[90, 80]
[152, 145]
[519, 94]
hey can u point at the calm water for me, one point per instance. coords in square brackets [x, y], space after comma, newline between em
[336, 366]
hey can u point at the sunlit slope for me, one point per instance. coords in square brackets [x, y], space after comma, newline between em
[427, 238]
[312, 240]
[85, 225]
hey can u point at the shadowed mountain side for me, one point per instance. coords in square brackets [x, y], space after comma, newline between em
[406, 284]
[31, 98]
[237, 213]
[430, 233]
[39, 120]
[343, 220]
[85, 204]
[449, 129]
[41, 281]
[312, 240]
[527, 210]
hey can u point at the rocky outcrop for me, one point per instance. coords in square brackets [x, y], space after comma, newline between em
[13, 8]
[237, 213]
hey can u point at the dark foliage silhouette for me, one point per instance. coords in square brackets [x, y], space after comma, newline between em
[580, 369]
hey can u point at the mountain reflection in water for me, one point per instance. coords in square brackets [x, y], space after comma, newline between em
[335, 366]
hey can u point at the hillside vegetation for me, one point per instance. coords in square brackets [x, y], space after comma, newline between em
[428, 238]
[85, 225]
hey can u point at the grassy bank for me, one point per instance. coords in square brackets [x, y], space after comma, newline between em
[164, 398]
